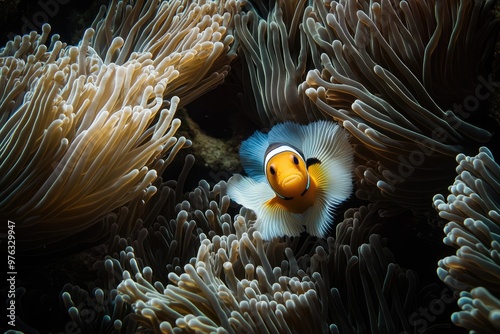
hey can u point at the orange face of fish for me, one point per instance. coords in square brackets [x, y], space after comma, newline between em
[287, 173]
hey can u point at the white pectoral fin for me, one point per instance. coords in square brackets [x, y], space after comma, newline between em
[327, 141]
[272, 220]
[319, 218]
[275, 221]
[248, 192]
[252, 153]
[287, 133]
[334, 187]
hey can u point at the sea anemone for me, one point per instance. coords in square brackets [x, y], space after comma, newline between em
[275, 53]
[195, 37]
[237, 282]
[87, 133]
[376, 77]
[86, 129]
[473, 211]
[370, 65]
[75, 146]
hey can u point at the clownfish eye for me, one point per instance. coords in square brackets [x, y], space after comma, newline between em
[272, 170]
[295, 160]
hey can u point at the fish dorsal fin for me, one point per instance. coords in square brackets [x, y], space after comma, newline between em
[287, 133]
[252, 153]
[312, 161]
[325, 140]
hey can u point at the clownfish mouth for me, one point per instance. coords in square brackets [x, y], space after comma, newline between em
[291, 181]
[293, 185]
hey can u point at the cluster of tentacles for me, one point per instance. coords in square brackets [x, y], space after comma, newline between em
[88, 132]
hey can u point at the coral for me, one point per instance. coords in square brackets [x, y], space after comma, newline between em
[217, 154]
[473, 211]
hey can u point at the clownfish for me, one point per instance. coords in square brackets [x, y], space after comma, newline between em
[297, 174]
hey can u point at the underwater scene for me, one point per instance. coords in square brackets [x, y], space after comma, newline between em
[245, 166]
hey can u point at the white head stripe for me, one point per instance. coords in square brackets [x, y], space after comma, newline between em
[278, 150]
